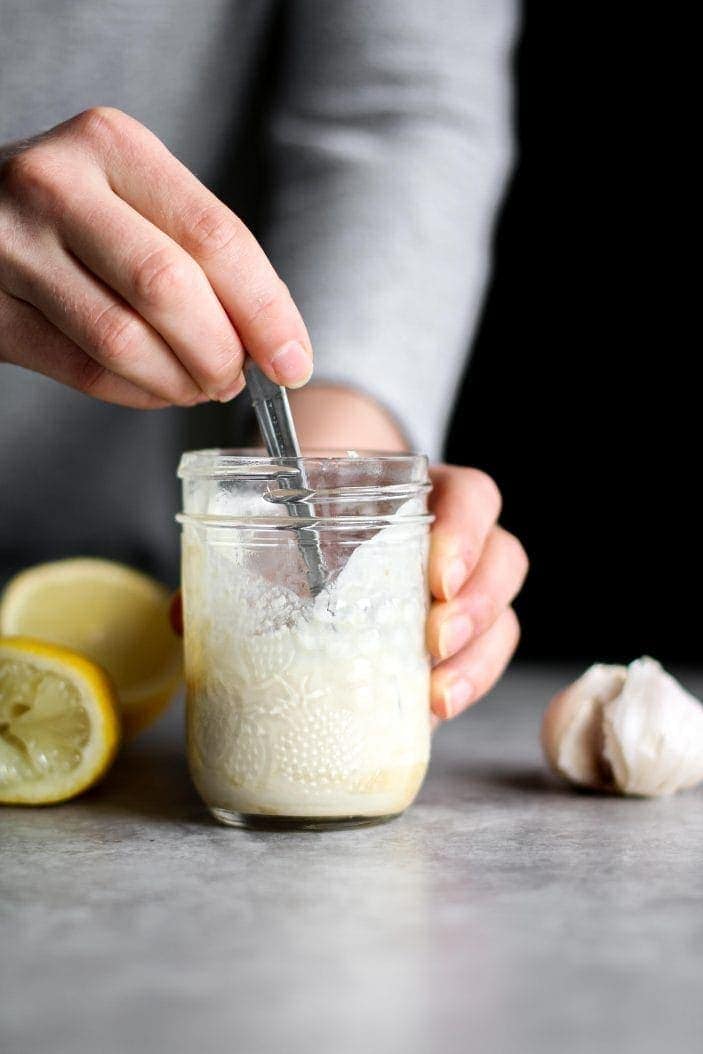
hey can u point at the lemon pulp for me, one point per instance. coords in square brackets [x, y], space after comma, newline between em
[59, 723]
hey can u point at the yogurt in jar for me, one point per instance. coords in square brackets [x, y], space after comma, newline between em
[300, 707]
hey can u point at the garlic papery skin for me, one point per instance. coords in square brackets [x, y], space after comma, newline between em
[653, 733]
[572, 728]
[633, 730]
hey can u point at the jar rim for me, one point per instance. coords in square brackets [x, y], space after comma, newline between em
[218, 462]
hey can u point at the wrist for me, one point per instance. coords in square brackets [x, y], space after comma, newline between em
[329, 416]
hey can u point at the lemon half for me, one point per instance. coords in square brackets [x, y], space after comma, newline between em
[110, 613]
[59, 722]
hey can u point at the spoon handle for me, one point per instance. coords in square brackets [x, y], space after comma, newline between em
[276, 425]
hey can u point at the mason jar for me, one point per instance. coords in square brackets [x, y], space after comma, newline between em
[305, 598]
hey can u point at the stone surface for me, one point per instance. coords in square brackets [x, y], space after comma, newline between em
[503, 913]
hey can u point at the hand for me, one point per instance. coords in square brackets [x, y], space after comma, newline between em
[476, 570]
[476, 567]
[122, 276]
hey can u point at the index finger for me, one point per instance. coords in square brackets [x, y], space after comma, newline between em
[466, 504]
[148, 177]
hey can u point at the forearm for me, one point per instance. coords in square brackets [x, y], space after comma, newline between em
[330, 417]
[389, 144]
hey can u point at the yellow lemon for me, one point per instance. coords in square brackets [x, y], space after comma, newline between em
[110, 613]
[59, 722]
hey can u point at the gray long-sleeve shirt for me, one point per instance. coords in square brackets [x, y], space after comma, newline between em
[366, 141]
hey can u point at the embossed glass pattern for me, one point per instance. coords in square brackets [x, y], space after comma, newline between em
[305, 710]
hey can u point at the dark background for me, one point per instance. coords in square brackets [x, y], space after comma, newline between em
[578, 399]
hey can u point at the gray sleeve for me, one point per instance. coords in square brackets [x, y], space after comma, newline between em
[389, 146]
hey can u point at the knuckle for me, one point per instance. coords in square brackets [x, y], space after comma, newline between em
[160, 278]
[223, 366]
[101, 124]
[119, 339]
[117, 335]
[516, 552]
[89, 376]
[487, 486]
[211, 231]
[266, 301]
[485, 610]
[33, 175]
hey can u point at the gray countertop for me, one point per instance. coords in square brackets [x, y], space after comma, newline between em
[502, 913]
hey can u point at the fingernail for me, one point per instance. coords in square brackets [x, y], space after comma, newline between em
[457, 695]
[454, 634]
[292, 365]
[229, 393]
[454, 577]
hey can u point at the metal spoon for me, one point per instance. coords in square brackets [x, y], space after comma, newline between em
[276, 425]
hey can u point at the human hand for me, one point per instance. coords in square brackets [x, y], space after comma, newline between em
[121, 275]
[476, 570]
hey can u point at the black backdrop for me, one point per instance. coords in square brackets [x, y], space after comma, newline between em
[577, 399]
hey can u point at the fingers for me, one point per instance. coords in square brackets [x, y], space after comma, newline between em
[466, 504]
[164, 285]
[476, 632]
[462, 680]
[193, 286]
[143, 173]
[28, 339]
[99, 323]
[495, 582]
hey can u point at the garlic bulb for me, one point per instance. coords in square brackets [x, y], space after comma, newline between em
[631, 729]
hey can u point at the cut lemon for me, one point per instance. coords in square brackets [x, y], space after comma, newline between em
[110, 613]
[59, 722]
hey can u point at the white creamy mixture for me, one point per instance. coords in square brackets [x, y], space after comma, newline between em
[307, 708]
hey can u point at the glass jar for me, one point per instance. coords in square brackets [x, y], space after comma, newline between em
[306, 706]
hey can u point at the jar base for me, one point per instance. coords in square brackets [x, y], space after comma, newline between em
[263, 822]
